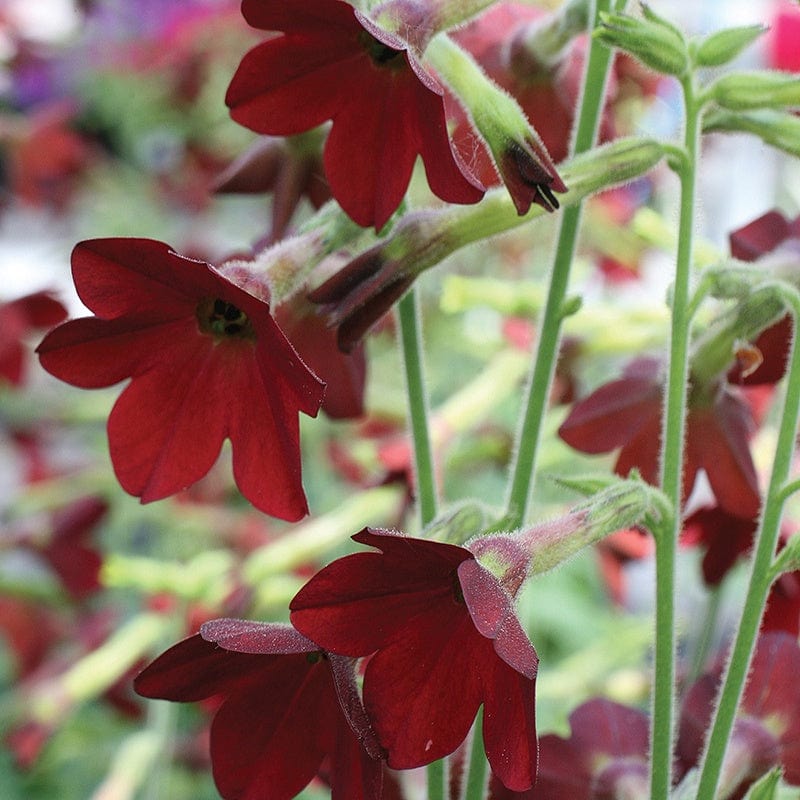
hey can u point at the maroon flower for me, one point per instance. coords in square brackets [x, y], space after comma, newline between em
[59, 538]
[724, 537]
[606, 756]
[767, 729]
[18, 318]
[626, 414]
[280, 715]
[289, 169]
[334, 64]
[345, 374]
[768, 233]
[207, 361]
[443, 637]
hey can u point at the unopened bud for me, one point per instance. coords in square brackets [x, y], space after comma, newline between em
[656, 44]
[723, 46]
[742, 91]
[780, 129]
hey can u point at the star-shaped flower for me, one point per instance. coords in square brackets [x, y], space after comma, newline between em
[286, 707]
[206, 361]
[443, 639]
[332, 63]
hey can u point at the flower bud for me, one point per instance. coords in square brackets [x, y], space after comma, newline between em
[780, 129]
[520, 157]
[742, 91]
[653, 41]
[723, 46]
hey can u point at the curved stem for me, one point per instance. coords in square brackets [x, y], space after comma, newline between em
[411, 342]
[759, 583]
[674, 422]
[538, 391]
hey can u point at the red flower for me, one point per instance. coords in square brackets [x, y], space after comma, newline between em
[280, 715]
[724, 536]
[605, 756]
[767, 729]
[626, 414]
[207, 361]
[768, 233]
[345, 374]
[443, 637]
[17, 319]
[334, 64]
[59, 540]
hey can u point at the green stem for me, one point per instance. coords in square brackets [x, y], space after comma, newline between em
[759, 583]
[672, 465]
[435, 772]
[550, 333]
[408, 313]
[476, 777]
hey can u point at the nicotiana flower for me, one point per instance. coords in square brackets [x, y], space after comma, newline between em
[332, 63]
[767, 729]
[19, 318]
[605, 756]
[443, 639]
[288, 709]
[206, 361]
[626, 414]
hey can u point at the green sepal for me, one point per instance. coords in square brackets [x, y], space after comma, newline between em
[723, 46]
[459, 522]
[745, 91]
[779, 129]
[766, 787]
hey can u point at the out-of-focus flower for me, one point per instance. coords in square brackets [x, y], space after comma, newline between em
[443, 639]
[332, 63]
[626, 414]
[207, 362]
[767, 730]
[784, 36]
[288, 710]
[18, 319]
[606, 756]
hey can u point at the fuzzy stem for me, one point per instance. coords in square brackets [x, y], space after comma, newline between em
[435, 772]
[760, 579]
[408, 313]
[591, 105]
[476, 776]
[674, 422]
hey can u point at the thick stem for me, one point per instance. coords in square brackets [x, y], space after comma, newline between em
[476, 776]
[672, 463]
[417, 406]
[529, 432]
[759, 584]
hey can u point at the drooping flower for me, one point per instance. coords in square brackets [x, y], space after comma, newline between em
[626, 414]
[207, 362]
[332, 63]
[18, 318]
[767, 729]
[443, 639]
[606, 756]
[286, 707]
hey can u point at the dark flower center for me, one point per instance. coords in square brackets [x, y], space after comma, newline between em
[219, 318]
[381, 54]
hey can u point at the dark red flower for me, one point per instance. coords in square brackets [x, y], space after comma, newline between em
[290, 169]
[286, 707]
[724, 537]
[606, 756]
[753, 241]
[345, 374]
[626, 414]
[59, 538]
[443, 637]
[19, 318]
[767, 729]
[332, 63]
[207, 362]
